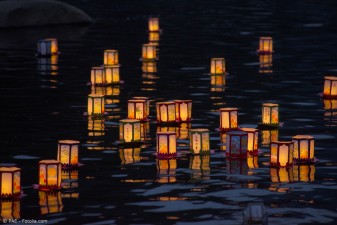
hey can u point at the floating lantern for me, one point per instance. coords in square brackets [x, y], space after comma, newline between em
[9, 211]
[269, 136]
[236, 144]
[97, 75]
[228, 118]
[255, 213]
[199, 141]
[330, 87]
[236, 166]
[149, 52]
[218, 80]
[49, 175]
[281, 175]
[137, 109]
[129, 131]
[112, 74]
[304, 148]
[330, 104]
[96, 104]
[166, 144]
[266, 63]
[281, 153]
[68, 153]
[47, 47]
[10, 182]
[149, 67]
[166, 112]
[154, 37]
[96, 127]
[166, 170]
[154, 24]
[304, 172]
[270, 114]
[147, 105]
[50, 202]
[129, 155]
[253, 135]
[183, 110]
[265, 45]
[182, 131]
[252, 161]
[218, 66]
[110, 58]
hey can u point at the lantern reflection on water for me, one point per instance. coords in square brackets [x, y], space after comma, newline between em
[199, 141]
[253, 134]
[129, 155]
[149, 67]
[281, 153]
[218, 66]
[236, 166]
[255, 213]
[68, 152]
[69, 179]
[129, 131]
[252, 161]
[218, 80]
[9, 210]
[166, 112]
[304, 148]
[304, 172]
[265, 45]
[236, 144]
[266, 63]
[49, 175]
[183, 110]
[10, 182]
[154, 38]
[269, 136]
[112, 74]
[330, 87]
[166, 144]
[47, 47]
[182, 131]
[228, 118]
[96, 127]
[281, 175]
[48, 65]
[110, 57]
[50, 202]
[166, 170]
[200, 166]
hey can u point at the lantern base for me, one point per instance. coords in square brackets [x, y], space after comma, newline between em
[47, 188]
[330, 97]
[263, 126]
[305, 161]
[278, 165]
[166, 155]
[264, 52]
[242, 155]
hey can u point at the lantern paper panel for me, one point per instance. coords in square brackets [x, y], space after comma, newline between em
[281, 175]
[218, 66]
[137, 109]
[9, 210]
[183, 110]
[97, 75]
[182, 131]
[129, 131]
[266, 45]
[68, 152]
[153, 24]
[270, 114]
[330, 87]
[110, 57]
[281, 153]
[112, 75]
[255, 213]
[50, 202]
[228, 118]
[236, 144]
[10, 182]
[166, 169]
[269, 136]
[166, 112]
[253, 135]
[147, 105]
[129, 155]
[199, 141]
[304, 172]
[47, 47]
[330, 104]
[149, 52]
[304, 148]
[166, 144]
[96, 104]
[236, 166]
[49, 174]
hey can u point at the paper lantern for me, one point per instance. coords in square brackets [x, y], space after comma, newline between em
[182, 131]
[330, 87]
[166, 170]
[149, 52]
[9, 211]
[137, 109]
[281, 153]
[110, 58]
[269, 136]
[236, 166]
[149, 67]
[129, 131]
[183, 110]
[154, 37]
[96, 127]
[266, 61]
[304, 148]
[199, 141]
[129, 155]
[68, 153]
[166, 112]
[255, 213]
[330, 104]
[228, 118]
[147, 105]
[252, 161]
[281, 175]
[49, 175]
[270, 115]
[96, 103]
[265, 45]
[218, 80]
[304, 172]
[166, 144]
[47, 47]
[50, 202]
[97, 75]
[153, 24]
[253, 135]
[10, 182]
[236, 144]
[218, 66]
[112, 74]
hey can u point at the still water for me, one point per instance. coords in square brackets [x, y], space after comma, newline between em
[130, 186]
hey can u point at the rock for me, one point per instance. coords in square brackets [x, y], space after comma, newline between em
[25, 13]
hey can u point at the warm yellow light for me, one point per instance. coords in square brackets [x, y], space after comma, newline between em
[149, 67]
[129, 155]
[137, 109]
[49, 174]
[228, 118]
[236, 144]
[9, 210]
[304, 148]
[304, 172]
[96, 104]
[281, 175]
[183, 110]
[330, 87]
[46, 47]
[166, 144]
[330, 104]
[68, 152]
[166, 112]
[269, 136]
[153, 24]
[112, 74]
[96, 127]
[97, 75]
[129, 130]
[266, 61]
[199, 141]
[147, 105]
[270, 114]
[253, 135]
[281, 153]
[149, 52]
[154, 37]
[218, 66]
[10, 182]
[182, 131]
[266, 45]
[50, 202]
[166, 170]
[252, 161]
[110, 57]
[218, 80]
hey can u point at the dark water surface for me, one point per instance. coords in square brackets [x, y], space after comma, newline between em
[39, 108]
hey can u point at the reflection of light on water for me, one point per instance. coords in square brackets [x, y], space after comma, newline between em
[304, 172]
[166, 170]
[281, 175]
[200, 167]
[268, 136]
[237, 166]
[50, 202]
[129, 155]
[9, 209]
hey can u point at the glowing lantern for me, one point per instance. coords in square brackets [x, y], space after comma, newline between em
[304, 148]
[236, 144]
[49, 174]
[68, 152]
[270, 114]
[47, 47]
[9, 211]
[154, 37]
[10, 182]
[252, 161]
[149, 52]
[182, 131]
[166, 144]
[281, 153]
[330, 87]
[255, 213]
[183, 110]
[97, 75]
[228, 118]
[253, 135]
[266, 63]
[112, 74]
[218, 80]
[129, 155]
[137, 109]
[129, 131]
[269, 136]
[96, 127]
[50, 202]
[199, 141]
[166, 170]
[147, 105]
[281, 175]
[304, 173]
[96, 103]
[149, 67]
[236, 166]
[110, 58]
[166, 112]
[218, 66]
[153, 24]
[266, 45]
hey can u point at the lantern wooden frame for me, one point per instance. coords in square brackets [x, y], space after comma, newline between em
[110, 57]
[153, 24]
[45, 182]
[47, 47]
[96, 105]
[97, 76]
[228, 119]
[166, 145]
[67, 153]
[304, 149]
[281, 153]
[137, 109]
[199, 141]
[265, 45]
[183, 110]
[236, 144]
[10, 182]
[149, 52]
[129, 131]
[166, 112]
[330, 87]
[218, 66]
[270, 115]
[253, 136]
[112, 74]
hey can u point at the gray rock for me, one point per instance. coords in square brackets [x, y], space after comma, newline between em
[24, 13]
